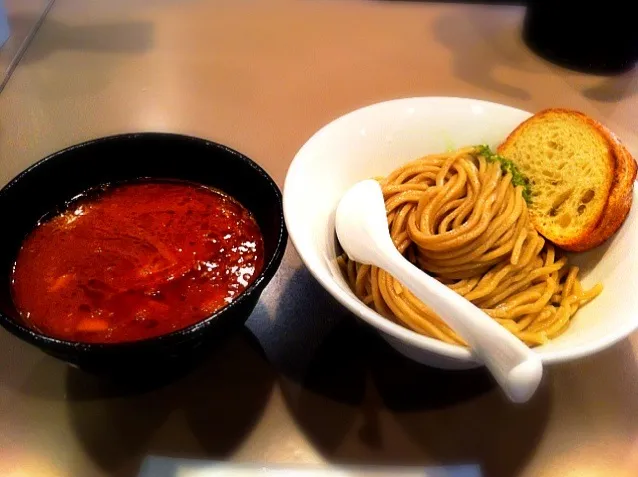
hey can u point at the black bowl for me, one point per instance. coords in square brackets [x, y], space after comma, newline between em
[583, 37]
[61, 176]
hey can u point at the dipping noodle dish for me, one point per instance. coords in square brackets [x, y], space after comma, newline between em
[527, 216]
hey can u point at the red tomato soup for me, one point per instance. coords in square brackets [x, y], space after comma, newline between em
[136, 260]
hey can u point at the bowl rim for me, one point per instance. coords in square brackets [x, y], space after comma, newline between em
[183, 334]
[361, 311]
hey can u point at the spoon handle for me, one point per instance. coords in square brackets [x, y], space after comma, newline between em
[515, 366]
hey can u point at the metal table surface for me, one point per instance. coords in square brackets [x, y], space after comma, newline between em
[305, 383]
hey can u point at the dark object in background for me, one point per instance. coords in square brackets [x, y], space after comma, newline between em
[599, 37]
[54, 180]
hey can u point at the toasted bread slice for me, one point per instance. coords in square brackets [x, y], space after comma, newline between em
[581, 177]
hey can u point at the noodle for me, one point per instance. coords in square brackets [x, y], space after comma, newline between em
[459, 217]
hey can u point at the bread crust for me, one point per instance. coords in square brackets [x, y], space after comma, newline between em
[619, 196]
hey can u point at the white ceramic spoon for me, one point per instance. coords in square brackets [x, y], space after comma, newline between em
[362, 229]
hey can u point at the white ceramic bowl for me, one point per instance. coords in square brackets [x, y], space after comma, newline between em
[373, 141]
